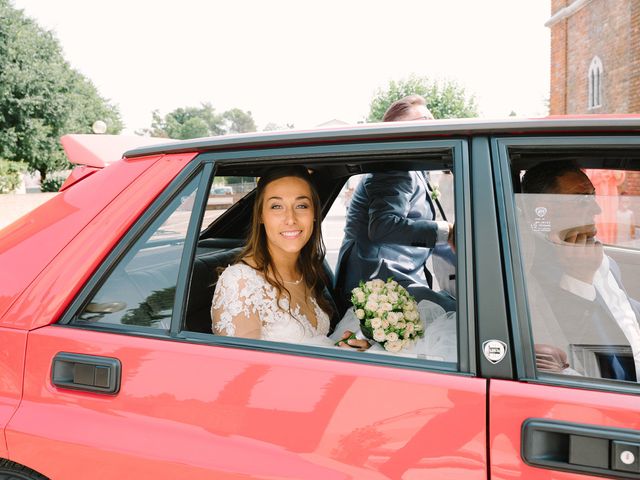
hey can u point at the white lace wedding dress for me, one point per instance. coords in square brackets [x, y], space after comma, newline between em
[245, 304]
[440, 341]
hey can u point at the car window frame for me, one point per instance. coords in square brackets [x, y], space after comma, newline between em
[517, 301]
[124, 245]
[339, 153]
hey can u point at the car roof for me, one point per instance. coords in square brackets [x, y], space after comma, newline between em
[400, 130]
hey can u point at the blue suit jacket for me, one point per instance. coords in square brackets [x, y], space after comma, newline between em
[389, 232]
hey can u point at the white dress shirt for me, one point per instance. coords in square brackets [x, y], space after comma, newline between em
[616, 300]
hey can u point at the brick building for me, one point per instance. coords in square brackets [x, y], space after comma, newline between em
[595, 61]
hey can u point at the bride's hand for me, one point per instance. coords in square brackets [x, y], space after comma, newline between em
[349, 340]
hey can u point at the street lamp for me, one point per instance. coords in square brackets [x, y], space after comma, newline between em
[99, 127]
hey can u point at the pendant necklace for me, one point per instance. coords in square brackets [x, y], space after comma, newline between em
[295, 282]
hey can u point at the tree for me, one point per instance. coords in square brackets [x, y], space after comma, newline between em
[188, 122]
[445, 99]
[203, 121]
[10, 175]
[239, 121]
[272, 126]
[89, 107]
[41, 96]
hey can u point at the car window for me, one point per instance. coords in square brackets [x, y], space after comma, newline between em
[225, 192]
[578, 241]
[216, 252]
[140, 290]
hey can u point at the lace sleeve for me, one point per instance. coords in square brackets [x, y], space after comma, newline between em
[233, 310]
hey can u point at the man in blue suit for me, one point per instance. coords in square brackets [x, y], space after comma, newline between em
[390, 229]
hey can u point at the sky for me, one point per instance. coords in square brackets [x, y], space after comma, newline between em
[300, 62]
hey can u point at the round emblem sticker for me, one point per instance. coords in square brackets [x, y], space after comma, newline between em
[541, 211]
[494, 350]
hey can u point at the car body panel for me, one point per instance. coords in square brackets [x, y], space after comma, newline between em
[101, 150]
[94, 152]
[77, 174]
[566, 400]
[258, 414]
[14, 343]
[46, 297]
[512, 403]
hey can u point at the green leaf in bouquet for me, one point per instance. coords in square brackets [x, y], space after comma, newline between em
[366, 331]
[350, 337]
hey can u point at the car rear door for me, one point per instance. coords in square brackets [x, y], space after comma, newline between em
[563, 424]
[119, 388]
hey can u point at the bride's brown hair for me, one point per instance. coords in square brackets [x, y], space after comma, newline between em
[311, 258]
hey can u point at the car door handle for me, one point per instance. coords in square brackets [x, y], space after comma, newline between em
[86, 372]
[614, 452]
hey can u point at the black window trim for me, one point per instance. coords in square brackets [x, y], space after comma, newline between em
[488, 266]
[189, 250]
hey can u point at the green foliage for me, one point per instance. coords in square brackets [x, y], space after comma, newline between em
[89, 107]
[41, 96]
[271, 126]
[51, 183]
[184, 123]
[445, 99]
[195, 122]
[10, 175]
[239, 121]
[239, 180]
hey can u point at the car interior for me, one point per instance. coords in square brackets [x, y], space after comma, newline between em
[221, 241]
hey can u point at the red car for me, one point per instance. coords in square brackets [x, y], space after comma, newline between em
[109, 369]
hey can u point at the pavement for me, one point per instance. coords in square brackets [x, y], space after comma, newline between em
[15, 205]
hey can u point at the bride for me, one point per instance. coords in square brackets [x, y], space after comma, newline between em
[275, 290]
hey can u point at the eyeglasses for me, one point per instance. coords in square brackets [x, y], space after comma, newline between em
[424, 117]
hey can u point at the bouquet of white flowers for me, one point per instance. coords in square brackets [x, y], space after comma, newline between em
[387, 313]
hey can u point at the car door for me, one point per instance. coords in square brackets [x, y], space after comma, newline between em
[567, 421]
[120, 387]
